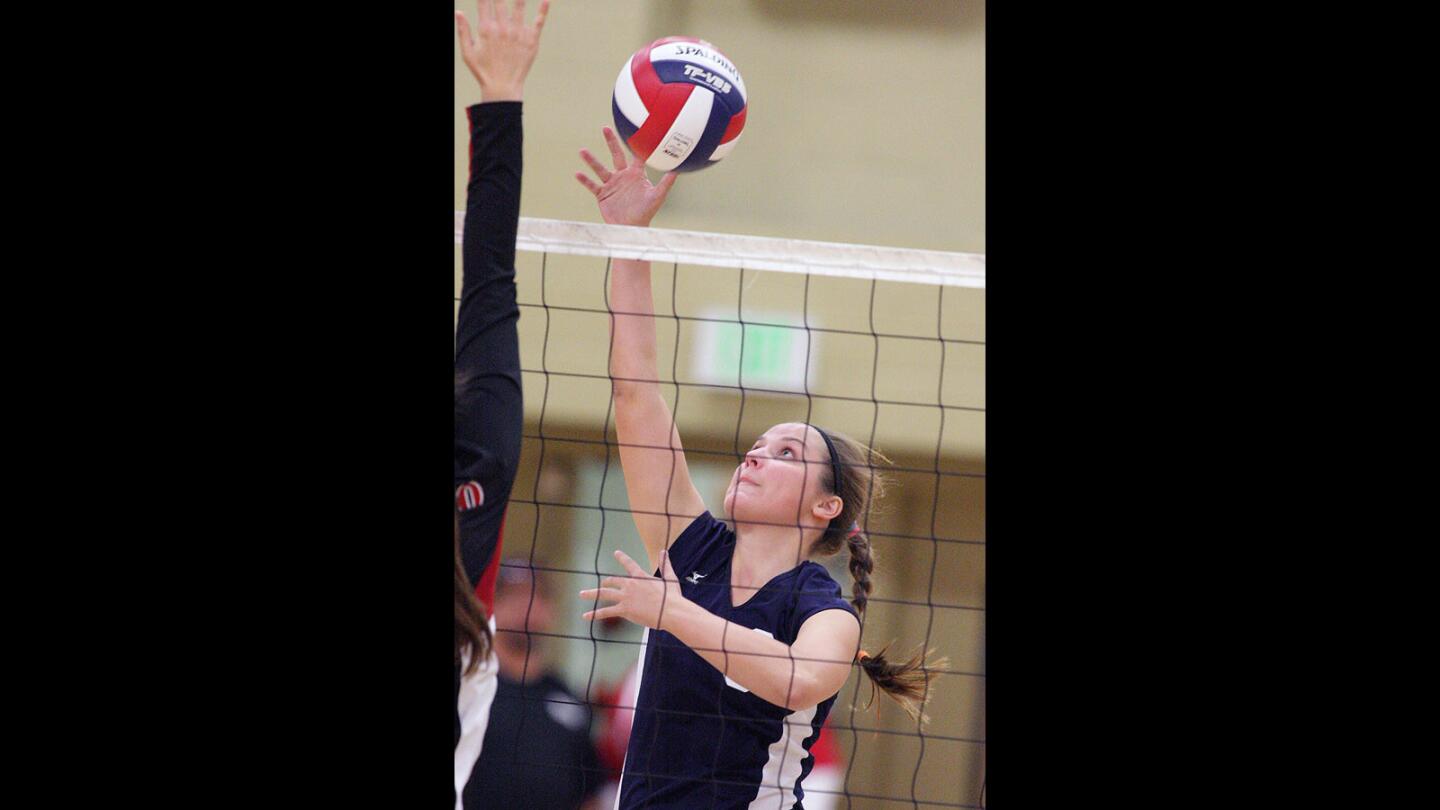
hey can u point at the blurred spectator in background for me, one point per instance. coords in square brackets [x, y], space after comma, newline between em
[616, 704]
[537, 751]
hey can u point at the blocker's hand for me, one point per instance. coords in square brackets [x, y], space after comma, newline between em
[625, 195]
[639, 597]
[502, 48]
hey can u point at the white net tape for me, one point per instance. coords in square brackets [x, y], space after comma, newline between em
[750, 252]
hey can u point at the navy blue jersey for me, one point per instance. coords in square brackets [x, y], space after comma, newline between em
[699, 739]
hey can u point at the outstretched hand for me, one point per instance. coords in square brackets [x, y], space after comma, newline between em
[625, 195]
[502, 48]
[638, 597]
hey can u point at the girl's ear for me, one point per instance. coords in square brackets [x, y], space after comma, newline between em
[828, 507]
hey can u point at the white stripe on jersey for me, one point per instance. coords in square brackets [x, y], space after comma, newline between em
[777, 784]
[634, 700]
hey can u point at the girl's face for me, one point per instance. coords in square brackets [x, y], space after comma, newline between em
[779, 481]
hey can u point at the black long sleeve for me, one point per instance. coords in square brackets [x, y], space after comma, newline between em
[488, 406]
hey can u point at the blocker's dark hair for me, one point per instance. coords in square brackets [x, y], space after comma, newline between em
[472, 627]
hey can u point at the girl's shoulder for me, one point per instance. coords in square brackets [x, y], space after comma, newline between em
[811, 591]
[816, 578]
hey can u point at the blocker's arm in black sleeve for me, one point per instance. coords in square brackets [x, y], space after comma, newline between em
[488, 406]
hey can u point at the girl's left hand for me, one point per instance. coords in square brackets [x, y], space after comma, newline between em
[639, 597]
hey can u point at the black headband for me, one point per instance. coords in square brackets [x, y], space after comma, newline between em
[834, 459]
[835, 471]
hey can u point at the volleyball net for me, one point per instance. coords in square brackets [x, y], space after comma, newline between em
[885, 345]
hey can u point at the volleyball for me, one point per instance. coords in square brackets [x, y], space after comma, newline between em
[679, 104]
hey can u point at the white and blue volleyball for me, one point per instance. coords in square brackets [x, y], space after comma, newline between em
[679, 104]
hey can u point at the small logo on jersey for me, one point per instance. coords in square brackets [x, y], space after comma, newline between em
[694, 579]
[469, 496]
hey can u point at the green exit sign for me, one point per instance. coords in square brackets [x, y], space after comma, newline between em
[769, 354]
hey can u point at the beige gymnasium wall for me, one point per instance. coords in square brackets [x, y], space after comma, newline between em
[866, 125]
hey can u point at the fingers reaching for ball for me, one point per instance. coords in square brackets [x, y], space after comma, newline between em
[589, 184]
[616, 152]
[625, 194]
[598, 167]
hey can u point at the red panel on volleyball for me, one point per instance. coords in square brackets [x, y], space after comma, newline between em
[737, 123]
[663, 101]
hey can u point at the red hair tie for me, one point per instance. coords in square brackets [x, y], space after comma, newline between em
[854, 530]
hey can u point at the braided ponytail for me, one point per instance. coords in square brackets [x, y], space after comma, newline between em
[861, 564]
[906, 682]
